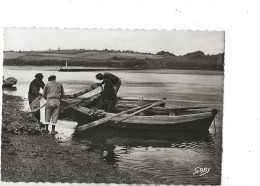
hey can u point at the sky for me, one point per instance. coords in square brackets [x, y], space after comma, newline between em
[151, 41]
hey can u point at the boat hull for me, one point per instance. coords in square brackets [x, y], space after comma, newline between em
[6, 85]
[192, 122]
[189, 122]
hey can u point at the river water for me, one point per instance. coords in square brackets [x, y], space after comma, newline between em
[167, 158]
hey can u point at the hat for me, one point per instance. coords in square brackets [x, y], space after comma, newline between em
[52, 77]
[38, 75]
[99, 76]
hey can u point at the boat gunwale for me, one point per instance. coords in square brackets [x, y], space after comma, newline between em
[159, 118]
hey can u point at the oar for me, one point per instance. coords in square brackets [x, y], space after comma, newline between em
[103, 120]
[153, 105]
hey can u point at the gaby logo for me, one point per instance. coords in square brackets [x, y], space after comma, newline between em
[201, 171]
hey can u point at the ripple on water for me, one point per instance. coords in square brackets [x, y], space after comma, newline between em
[166, 165]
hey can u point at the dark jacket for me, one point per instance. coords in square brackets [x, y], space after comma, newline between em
[114, 79]
[34, 89]
[108, 92]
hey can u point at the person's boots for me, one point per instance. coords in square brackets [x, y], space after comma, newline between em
[41, 125]
[47, 128]
[53, 130]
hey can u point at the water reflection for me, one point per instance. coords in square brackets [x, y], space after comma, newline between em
[163, 157]
[137, 137]
[106, 141]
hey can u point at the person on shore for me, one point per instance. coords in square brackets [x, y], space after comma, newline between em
[116, 82]
[34, 91]
[52, 92]
[109, 95]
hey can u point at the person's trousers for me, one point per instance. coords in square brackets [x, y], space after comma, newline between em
[52, 109]
[117, 86]
[111, 104]
[31, 98]
[37, 115]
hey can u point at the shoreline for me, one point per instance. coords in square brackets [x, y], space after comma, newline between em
[33, 157]
[159, 70]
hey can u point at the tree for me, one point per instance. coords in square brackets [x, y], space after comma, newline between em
[165, 53]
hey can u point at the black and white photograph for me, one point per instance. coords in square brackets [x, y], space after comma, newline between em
[133, 92]
[112, 106]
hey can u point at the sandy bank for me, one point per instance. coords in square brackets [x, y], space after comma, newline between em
[41, 158]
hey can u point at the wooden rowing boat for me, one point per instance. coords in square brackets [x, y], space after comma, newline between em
[199, 121]
[157, 118]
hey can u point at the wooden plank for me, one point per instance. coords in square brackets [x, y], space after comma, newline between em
[153, 105]
[133, 102]
[150, 111]
[177, 109]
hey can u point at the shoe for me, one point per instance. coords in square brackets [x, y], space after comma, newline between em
[44, 130]
[41, 125]
[54, 132]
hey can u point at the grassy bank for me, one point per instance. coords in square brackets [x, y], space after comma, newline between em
[39, 157]
[105, 58]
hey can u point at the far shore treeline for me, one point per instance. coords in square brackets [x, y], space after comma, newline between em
[117, 59]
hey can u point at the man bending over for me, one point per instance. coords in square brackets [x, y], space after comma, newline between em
[116, 82]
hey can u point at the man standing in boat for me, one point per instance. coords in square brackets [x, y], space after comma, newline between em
[109, 95]
[116, 82]
[34, 91]
[52, 92]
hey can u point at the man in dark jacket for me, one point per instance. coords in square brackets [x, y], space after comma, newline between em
[34, 91]
[116, 82]
[109, 95]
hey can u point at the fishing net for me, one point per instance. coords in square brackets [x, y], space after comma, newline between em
[35, 104]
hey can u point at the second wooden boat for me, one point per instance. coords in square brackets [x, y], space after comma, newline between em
[199, 121]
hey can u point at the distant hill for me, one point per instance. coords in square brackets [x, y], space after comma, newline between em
[194, 55]
[111, 58]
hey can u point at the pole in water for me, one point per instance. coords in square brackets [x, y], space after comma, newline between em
[215, 126]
